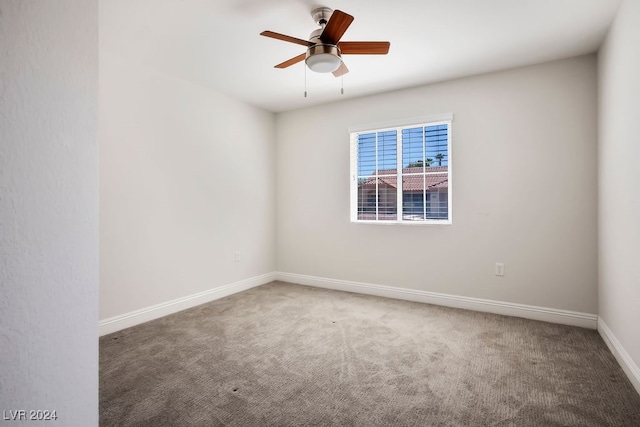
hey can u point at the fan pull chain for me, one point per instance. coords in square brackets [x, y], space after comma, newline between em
[342, 83]
[305, 80]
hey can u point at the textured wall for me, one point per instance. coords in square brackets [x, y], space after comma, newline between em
[619, 175]
[524, 190]
[49, 209]
[187, 177]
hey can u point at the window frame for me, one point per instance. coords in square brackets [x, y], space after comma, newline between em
[398, 127]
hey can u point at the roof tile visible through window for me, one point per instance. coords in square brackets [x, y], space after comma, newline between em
[411, 182]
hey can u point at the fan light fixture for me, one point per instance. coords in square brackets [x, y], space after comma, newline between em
[323, 58]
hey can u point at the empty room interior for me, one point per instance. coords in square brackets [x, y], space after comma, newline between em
[428, 214]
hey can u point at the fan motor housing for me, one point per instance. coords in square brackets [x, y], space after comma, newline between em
[321, 15]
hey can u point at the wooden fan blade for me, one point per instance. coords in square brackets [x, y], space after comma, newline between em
[337, 25]
[285, 38]
[364, 48]
[291, 61]
[342, 70]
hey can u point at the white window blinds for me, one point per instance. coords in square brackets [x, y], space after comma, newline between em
[402, 174]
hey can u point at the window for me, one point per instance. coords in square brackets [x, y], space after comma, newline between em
[402, 173]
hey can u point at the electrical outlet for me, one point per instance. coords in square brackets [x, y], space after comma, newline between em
[237, 256]
[499, 269]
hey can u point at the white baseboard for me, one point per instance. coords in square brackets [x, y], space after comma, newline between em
[624, 359]
[564, 317]
[136, 317]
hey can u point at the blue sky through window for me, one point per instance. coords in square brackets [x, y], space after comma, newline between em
[387, 150]
[420, 145]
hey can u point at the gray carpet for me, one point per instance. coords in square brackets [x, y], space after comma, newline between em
[289, 355]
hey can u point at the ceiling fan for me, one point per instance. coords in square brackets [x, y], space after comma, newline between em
[324, 48]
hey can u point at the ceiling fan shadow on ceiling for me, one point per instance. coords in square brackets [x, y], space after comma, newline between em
[324, 48]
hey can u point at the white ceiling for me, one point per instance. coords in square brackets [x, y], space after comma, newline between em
[216, 43]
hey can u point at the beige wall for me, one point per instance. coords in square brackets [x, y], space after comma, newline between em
[187, 177]
[524, 190]
[619, 177]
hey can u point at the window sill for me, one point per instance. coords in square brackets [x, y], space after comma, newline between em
[409, 223]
